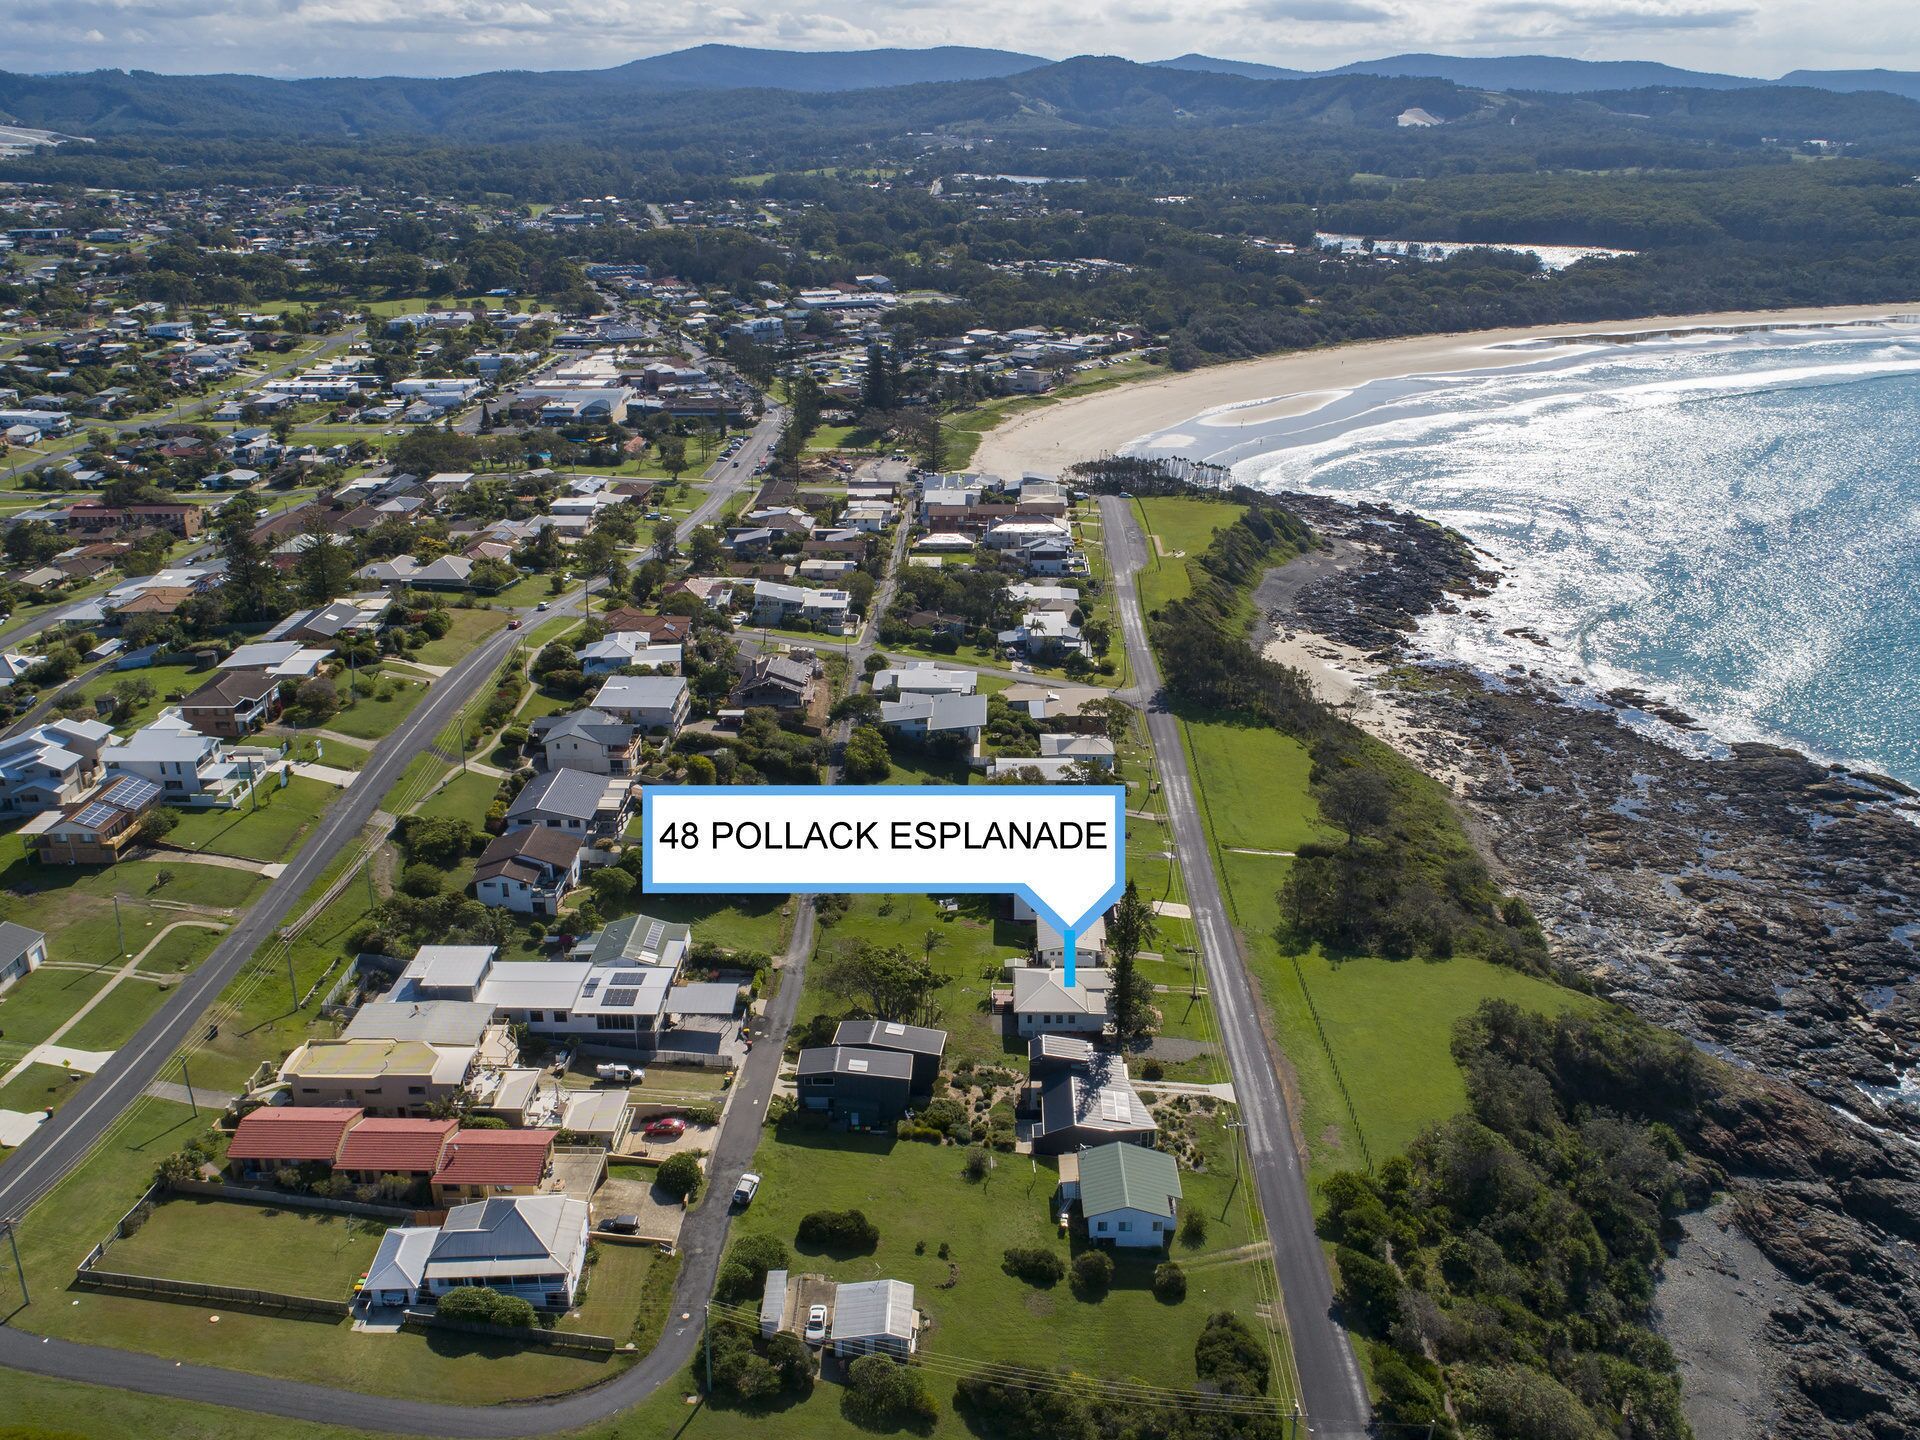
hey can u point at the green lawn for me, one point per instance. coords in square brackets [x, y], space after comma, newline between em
[373, 716]
[465, 797]
[1255, 786]
[1178, 528]
[1384, 1027]
[261, 1247]
[470, 628]
[615, 1287]
[268, 827]
[970, 946]
[758, 923]
[39, 1004]
[168, 679]
[131, 1003]
[40, 1087]
[81, 1210]
[336, 753]
[918, 1197]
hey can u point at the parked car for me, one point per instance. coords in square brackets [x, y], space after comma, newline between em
[622, 1225]
[816, 1331]
[621, 1073]
[748, 1187]
[667, 1127]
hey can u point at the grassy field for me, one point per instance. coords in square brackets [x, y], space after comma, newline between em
[1368, 1039]
[969, 947]
[469, 629]
[1178, 528]
[372, 717]
[260, 1247]
[946, 1235]
[759, 923]
[173, 677]
[269, 827]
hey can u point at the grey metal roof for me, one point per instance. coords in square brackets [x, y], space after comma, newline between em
[1098, 1098]
[640, 939]
[575, 794]
[872, 1307]
[844, 1060]
[438, 1022]
[16, 940]
[890, 1035]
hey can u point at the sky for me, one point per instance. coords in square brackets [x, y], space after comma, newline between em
[452, 37]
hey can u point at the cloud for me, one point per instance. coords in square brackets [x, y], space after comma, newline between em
[1317, 12]
[1613, 17]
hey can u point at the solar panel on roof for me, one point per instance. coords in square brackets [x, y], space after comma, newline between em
[857, 1064]
[655, 933]
[620, 997]
[628, 977]
[1113, 1105]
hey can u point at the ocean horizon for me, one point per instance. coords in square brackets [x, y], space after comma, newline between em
[1729, 522]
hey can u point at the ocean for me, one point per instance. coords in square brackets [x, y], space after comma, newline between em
[1730, 523]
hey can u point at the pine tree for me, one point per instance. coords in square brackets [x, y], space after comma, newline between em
[1131, 927]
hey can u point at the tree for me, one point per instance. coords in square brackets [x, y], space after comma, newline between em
[252, 589]
[317, 700]
[867, 759]
[1092, 1272]
[705, 554]
[744, 1274]
[671, 452]
[1359, 801]
[1131, 928]
[884, 980]
[1229, 1356]
[883, 1394]
[486, 1306]
[437, 841]
[679, 1175]
[666, 539]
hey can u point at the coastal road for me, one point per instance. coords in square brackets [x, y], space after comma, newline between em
[703, 1238]
[59, 1144]
[1331, 1389]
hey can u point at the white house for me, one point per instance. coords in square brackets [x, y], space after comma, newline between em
[923, 716]
[22, 951]
[628, 649]
[1129, 1195]
[654, 703]
[192, 770]
[1044, 1004]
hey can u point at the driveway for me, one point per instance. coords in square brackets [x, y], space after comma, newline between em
[660, 1215]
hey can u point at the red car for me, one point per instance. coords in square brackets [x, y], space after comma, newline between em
[667, 1127]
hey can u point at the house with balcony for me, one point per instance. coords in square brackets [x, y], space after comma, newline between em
[51, 765]
[576, 802]
[654, 704]
[529, 871]
[193, 771]
[588, 740]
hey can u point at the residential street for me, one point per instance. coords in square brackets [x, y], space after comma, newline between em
[1331, 1387]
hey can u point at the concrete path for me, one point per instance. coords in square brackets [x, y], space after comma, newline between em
[1173, 909]
[325, 774]
[1170, 1087]
[166, 854]
[180, 1095]
[51, 1052]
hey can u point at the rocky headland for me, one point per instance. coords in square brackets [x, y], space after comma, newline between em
[1760, 903]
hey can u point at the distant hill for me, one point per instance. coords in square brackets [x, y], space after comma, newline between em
[1552, 73]
[737, 67]
[1247, 69]
[1894, 82]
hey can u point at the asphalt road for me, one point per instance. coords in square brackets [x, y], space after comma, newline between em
[1332, 1391]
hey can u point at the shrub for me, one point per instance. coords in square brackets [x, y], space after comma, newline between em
[1169, 1283]
[845, 1230]
[744, 1276]
[487, 1306]
[979, 1163]
[793, 1362]
[1229, 1356]
[1092, 1271]
[1193, 1226]
[679, 1175]
[1153, 1070]
[158, 824]
[948, 1117]
[421, 881]
[1369, 1289]
[1034, 1265]
[883, 1394]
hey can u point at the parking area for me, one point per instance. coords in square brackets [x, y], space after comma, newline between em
[639, 1146]
[629, 1190]
[577, 1170]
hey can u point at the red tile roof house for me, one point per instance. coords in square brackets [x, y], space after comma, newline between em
[483, 1163]
[380, 1146]
[273, 1137]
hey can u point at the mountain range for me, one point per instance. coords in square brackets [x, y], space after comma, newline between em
[863, 90]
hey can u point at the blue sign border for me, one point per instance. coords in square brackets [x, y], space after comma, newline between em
[1069, 930]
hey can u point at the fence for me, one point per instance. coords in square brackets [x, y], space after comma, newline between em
[299, 1306]
[531, 1335]
[332, 1006]
[219, 1190]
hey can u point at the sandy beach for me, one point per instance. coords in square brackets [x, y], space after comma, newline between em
[1048, 439]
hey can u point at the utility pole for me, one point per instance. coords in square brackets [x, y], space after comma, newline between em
[293, 986]
[118, 926]
[188, 1080]
[366, 871]
[706, 1328]
[20, 1270]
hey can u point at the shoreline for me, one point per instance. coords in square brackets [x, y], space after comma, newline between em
[1050, 438]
